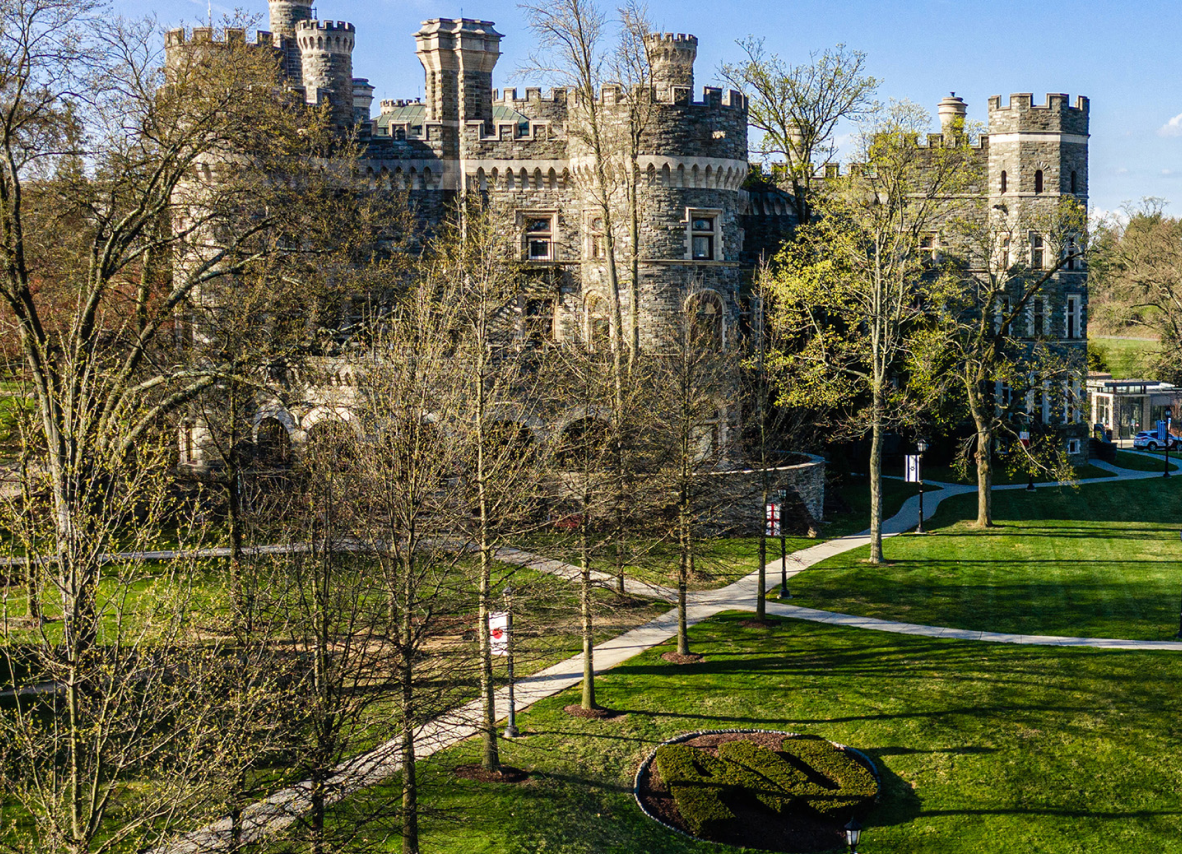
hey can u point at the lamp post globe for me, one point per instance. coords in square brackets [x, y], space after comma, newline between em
[853, 833]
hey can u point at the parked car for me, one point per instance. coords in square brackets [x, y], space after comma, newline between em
[1149, 442]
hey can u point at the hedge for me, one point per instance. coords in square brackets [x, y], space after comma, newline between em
[809, 772]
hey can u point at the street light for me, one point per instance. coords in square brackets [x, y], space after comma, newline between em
[921, 446]
[1167, 439]
[853, 832]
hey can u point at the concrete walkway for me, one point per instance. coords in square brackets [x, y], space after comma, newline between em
[279, 811]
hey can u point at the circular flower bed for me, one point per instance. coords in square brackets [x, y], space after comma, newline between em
[776, 791]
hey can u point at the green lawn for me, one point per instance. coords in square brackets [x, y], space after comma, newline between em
[986, 749]
[1001, 477]
[1104, 560]
[855, 492]
[1138, 462]
[1127, 358]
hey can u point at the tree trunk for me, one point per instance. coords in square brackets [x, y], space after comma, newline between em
[984, 476]
[684, 564]
[876, 477]
[490, 755]
[634, 235]
[410, 790]
[588, 625]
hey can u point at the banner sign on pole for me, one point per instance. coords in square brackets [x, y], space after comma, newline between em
[772, 517]
[913, 468]
[1161, 431]
[1024, 438]
[498, 629]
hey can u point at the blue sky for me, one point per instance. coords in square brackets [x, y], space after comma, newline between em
[1123, 56]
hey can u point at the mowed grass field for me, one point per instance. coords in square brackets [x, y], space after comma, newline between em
[1103, 560]
[989, 749]
[1127, 358]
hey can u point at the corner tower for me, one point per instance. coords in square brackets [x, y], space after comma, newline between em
[458, 57]
[285, 17]
[326, 53]
[672, 60]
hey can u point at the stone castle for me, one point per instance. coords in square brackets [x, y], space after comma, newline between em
[702, 229]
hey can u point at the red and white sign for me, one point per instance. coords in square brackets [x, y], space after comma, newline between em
[1024, 438]
[498, 630]
[772, 518]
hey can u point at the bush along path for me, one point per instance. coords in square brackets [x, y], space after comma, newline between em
[270, 817]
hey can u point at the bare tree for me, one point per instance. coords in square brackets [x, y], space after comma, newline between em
[798, 107]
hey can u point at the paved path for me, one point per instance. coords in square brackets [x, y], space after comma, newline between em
[283, 808]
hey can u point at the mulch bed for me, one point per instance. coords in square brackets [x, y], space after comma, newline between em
[753, 827]
[757, 624]
[678, 658]
[507, 774]
[598, 713]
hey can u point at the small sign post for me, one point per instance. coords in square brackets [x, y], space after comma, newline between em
[1024, 438]
[500, 626]
[771, 517]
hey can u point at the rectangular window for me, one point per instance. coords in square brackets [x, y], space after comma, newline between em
[539, 237]
[1004, 252]
[1072, 326]
[1036, 251]
[1073, 446]
[1038, 317]
[703, 234]
[1002, 311]
[596, 244]
[927, 248]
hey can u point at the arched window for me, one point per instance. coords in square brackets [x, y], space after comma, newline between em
[1073, 184]
[1038, 181]
[706, 324]
[1004, 181]
[273, 444]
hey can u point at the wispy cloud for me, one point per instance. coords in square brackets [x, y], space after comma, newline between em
[1171, 128]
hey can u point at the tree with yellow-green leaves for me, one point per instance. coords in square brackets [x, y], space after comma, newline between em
[854, 292]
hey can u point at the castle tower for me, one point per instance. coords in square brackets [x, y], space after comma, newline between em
[1038, 156]
[458, 57]
[362, 99]
[285, 16]
[326, 52]
[672, 59]
[952, 112]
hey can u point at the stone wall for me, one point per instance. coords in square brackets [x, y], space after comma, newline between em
[736, 506]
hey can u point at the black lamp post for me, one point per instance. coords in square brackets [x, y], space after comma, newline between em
[853, 833]
[921, 446]
[1168, 439]
[511, 728]
[784, 594]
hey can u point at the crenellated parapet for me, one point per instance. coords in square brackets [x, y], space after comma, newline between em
[1022, 115]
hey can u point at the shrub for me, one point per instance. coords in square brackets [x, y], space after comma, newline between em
[809, 773]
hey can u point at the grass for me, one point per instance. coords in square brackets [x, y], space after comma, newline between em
[1103, 560]
[1002, 477]
[855, 493]
[1139, 462]
[983, 748]
[1127, 358]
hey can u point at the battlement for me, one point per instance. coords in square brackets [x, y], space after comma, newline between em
[1022, 115]
[326, 27]
[1024, 101]
[388, 106]
[557, 95]
[673, 39]
[179, 37]
[712, 96]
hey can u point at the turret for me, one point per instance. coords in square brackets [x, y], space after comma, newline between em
[362, 99]
[458, 57]
[285, 17]
[672, 59]
[952, 112]
[1039, 149]
[326, 51]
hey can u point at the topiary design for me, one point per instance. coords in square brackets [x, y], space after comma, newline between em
[807, 773]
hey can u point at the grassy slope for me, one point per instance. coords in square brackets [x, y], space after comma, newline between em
[1126, 358]
[985, 749]
[1138, 462]
[1001, 477]
[1104, 560]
